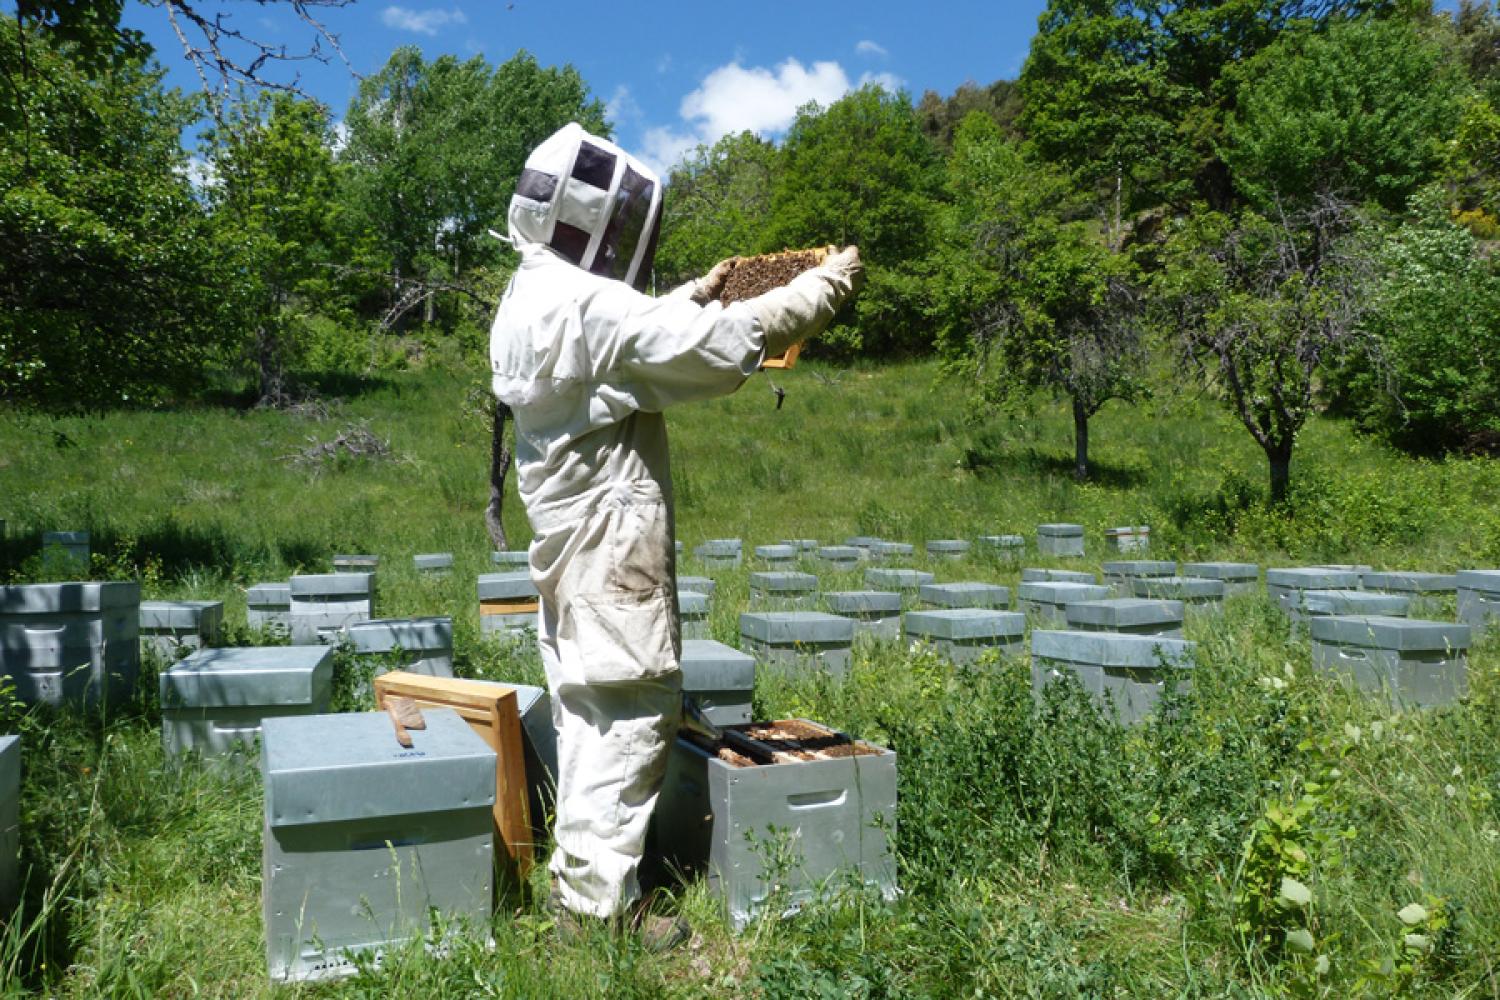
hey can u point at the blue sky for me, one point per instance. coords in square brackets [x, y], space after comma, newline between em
[672, 73]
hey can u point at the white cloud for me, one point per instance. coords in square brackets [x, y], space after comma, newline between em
[340, 139]
[735, 98]
[621, 106]
[869, 48]
[425, 22]
[199, 172]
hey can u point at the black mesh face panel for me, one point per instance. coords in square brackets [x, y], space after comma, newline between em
[627, 222]
[643, 276]
[536, 185]
[570, 241]
[594, 166]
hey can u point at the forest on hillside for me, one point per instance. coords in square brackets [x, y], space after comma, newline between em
[1291, 206]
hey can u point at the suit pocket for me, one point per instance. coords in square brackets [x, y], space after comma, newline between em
[624, 637]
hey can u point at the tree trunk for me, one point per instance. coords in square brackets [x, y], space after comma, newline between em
[1280, 460]
[500, 458]
[268, 361]
[1080, 441]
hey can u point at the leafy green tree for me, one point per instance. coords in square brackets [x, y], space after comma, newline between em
[1436, 310]
[434, 151]
[1360, 110]
[110, 289]
[1049, 306]
[718, 205]
[862, 172]
[940, 116]
[1262, 307]
[273, 195]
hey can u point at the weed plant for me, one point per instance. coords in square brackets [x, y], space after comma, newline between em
[1269, 833]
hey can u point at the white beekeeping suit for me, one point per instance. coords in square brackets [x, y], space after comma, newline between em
[587, 362]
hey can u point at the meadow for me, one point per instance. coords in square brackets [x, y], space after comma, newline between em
[1042, 851]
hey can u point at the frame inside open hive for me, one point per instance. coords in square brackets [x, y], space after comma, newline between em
[752, 276]
[788, 741]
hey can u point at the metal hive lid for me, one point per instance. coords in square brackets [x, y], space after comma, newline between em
[1486, 581]
[1140, 567]
[180, 614]
[796, 626]
[1312, 578]
[382, 635]
[1039, 575]
[934, 593]
[691, 602]
[1352, 602]
[908, 579]
[55, 598]
[249, 675]
[1125, 612]
[269, 593]
[1222, 570]
[1112, 649]
[708, 665]
[1409, 582]
[326, 584]
[331, 768]
[783, 581]
[503, 586]
[849, 602]
[1057, 591]
[966, 623]
[1384, 632]
[1060, 530]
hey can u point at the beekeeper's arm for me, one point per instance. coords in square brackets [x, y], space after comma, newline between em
[673, 350]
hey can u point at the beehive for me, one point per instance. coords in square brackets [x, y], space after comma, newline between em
[964, 634]
[168, 628]
[1124, 674]
[721, 679]
[65, 643]
[692, 612]
[268, 606]
[798, 638]
[217, 698]
[875, 613]
[323, 603]
[1132, 615]
[1412, 662]
[1059, 539]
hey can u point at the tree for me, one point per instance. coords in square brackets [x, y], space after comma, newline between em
[273, 198]
[1360, 110]
[718, 205]
[940, 116]
[1260, 305]
[1436, 311]
[434, 151]
[862, 172]
[1051, 308]
[110, 289]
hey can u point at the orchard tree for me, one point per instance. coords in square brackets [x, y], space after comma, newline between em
[1261, 305]
[273, 193]
[862, 172]
[1361, 110]
[1050, 306]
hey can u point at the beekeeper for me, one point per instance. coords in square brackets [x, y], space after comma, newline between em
[588, 362]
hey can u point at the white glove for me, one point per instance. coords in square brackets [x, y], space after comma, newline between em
[805, 306]
[708, 287]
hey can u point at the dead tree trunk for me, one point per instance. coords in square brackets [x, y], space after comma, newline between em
[500, 458]
[1080, 441]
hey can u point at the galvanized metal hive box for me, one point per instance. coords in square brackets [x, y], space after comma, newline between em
[1131, 615]
[1414, 662]
[964, 634]
[217, 698]
[510, 559]
[875, 613]
[967, 594]
[70, 643]
[539, 739]
[1124, 674]
[508, 603]
[65, 553]
[890, 552]
[1192, 591]
[721, 679]
[416, 645]
[1283, 584]
[783, 591]
[845, 557]
[323, 603]
[364, 839]
[169, 628]
[702, 584]
[1427, 592]
[1135, 538]
[836, 815]
[947, 548]
[1479, 597]
[802, 545]
[1317, 603]
[433, 562]
[1119, 574]
[1059, 539]
[1047, 600]
[356, 564]
[692, 613]
[1002, 548]
[1239, 578]
[798, 638]
[904, 581]
[863, 542]
[268, 607]
[776, 555]
[10, 822]
[1038, 575]
[719, 553]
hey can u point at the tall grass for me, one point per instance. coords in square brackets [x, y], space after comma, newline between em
[1042, 851]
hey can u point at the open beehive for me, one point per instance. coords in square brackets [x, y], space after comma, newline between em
[752, 276]
[786, 741]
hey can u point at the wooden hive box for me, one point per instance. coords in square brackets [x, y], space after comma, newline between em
[754, 276]
[490, 710]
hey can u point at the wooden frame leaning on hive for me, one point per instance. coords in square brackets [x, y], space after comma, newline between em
[752, 276]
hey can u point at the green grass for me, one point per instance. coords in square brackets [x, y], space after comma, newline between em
[1041, 851]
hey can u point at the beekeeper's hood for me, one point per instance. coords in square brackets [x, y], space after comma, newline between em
[591, 202]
